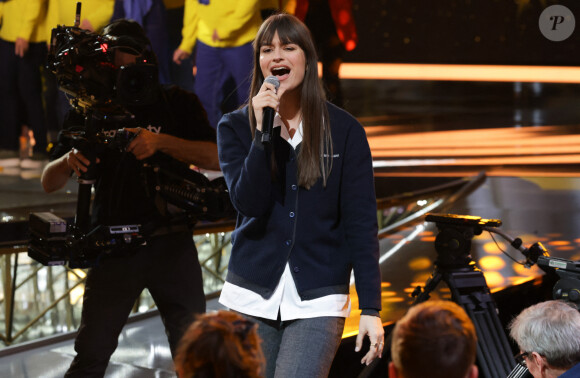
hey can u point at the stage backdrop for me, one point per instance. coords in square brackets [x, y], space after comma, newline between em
[461, 32]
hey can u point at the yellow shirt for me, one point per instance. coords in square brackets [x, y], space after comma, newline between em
[235, 22]
[63, 12]
[23, 19]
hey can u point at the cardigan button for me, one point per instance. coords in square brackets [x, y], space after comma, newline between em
[294, 186]
[288, 242]
[291, 214]
[296, 269]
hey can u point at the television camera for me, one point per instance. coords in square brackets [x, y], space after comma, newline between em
[469, 288]
[453, 244]
[83, 63]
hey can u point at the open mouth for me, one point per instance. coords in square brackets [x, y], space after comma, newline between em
[280, 71]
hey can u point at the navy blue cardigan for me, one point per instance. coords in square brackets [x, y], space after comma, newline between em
[323, 232]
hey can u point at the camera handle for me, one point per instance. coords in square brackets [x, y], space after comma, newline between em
[532, 253]
[567, 287]
[82, 218]
[86, 180]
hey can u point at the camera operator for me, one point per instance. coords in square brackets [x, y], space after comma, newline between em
[174, 124]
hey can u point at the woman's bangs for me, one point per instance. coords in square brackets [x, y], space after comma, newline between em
[287, 32]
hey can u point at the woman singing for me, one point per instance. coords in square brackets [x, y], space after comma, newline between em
[306, 211]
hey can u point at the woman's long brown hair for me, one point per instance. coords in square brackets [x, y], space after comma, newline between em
[315, 156]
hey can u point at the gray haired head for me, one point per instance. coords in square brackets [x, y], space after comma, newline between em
[551, 329]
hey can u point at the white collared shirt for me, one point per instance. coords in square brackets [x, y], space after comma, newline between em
[285, 298]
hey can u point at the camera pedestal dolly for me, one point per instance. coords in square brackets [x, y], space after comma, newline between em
[469, 289]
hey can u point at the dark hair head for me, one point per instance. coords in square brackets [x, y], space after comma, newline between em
[290, 30]
[220, 345]
[434, 339]
[315, 156]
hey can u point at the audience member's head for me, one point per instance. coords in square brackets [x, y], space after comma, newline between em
[548, 335]
[221, 344]
[434, 339]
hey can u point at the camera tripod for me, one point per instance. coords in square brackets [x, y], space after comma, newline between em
[469, 290]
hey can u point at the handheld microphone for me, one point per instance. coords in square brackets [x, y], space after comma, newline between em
[268, 114]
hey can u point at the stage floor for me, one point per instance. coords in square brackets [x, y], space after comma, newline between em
[525, 137]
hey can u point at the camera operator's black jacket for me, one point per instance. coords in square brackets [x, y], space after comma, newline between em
[121, 196]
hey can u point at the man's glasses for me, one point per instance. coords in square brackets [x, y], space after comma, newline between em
[521, 358]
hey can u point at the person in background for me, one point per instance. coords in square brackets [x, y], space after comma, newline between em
[174, 130]
[22, 57]
[222, 33]
[334, 31]
[182, 71]
[548, 336]
[220, 344]
[307, 211]
[434, 339]
[163, 23]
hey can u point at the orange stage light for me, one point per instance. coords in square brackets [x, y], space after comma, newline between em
[460, 72]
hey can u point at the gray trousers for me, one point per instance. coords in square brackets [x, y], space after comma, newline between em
[299, 348]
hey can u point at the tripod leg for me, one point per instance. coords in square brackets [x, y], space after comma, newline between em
[494, 355]
[423, 294]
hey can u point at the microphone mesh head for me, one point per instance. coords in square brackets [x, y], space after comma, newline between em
[273, 80]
